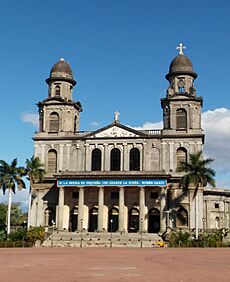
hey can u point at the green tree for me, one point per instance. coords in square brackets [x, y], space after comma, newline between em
[11, 178]
[18, 217]
[197, 173]
[3, 214]
[35, 173]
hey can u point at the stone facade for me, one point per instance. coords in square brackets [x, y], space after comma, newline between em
[117, 178]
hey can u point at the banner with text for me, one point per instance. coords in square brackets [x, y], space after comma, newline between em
[110, 182]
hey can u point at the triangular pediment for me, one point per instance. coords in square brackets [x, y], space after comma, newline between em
[116, 130]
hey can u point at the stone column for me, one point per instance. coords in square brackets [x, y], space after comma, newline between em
[141, 158]
[125, 158]
[87, 158]
[61, 198]
[142, 209]
[68, 157]
[60, 208]
[163, 158]
[43, 153]
[122, 159]
[103, 159]
[44, 121]
[61, 157]
[121, 209]
[100, 209]
[171, 156]
[40, 211]
[106, 158]
[162, 210]
[80, 220]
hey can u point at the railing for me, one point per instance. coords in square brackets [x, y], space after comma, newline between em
[152, 131]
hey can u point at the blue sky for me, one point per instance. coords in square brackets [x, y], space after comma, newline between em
[119, 51]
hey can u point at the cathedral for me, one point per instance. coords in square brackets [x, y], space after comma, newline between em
[118, 179]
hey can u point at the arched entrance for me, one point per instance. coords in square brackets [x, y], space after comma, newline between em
[93, 219]
[73, 219]
[113, 220]
[133, 220]
[154, 221]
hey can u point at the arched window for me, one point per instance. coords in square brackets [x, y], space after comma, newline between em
[96, 160]
[115, 159]
[57, 91]
[181, 156]
[181, 119]
[181, 86]
[54, 122]
[52, 161]
[134, 159]
[182, 217]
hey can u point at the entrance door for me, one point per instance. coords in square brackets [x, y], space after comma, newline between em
[133, 220]
[154, 221]
[93, 219]
[113, 223]
[73, 219]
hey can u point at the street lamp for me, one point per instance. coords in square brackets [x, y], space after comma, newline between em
[24, 231]
[141, 230]
[111, 232]
[52, 238]
[81, 232]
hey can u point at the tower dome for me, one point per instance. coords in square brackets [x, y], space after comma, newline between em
[61, 71]
[181, 64]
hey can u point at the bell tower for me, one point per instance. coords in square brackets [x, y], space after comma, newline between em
[58, 113]
[181, 107]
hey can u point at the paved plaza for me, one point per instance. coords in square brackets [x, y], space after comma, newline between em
[114, 264]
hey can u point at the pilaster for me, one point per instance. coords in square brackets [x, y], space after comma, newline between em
[100, 209]
[80, 220]
[121, 208]
[142, 209]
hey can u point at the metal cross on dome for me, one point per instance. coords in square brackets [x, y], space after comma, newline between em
[180, 48]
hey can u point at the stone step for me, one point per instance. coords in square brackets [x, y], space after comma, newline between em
[94, 239]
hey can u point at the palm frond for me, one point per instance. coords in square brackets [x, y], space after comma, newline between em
[197, 172]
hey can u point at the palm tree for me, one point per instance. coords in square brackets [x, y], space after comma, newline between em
[10, 178]
[35, 172]
[198, 174]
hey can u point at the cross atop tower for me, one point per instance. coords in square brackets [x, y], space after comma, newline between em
[180, 48]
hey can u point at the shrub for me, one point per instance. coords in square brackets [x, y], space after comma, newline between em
[213, 238]
[3, 235]
[180, 239]
[18, 235]
[16, 244]
[35, 233]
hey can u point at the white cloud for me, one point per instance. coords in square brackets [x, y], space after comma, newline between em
[216, 125]
[30, 118]
[94, 123]
[150, 125]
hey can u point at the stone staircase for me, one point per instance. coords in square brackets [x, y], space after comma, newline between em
[95, 239]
